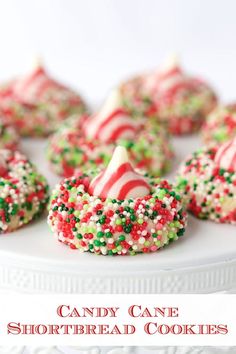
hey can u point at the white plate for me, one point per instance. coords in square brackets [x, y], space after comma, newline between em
[204, 260]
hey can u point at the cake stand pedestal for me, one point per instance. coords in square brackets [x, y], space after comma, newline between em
[203, 261]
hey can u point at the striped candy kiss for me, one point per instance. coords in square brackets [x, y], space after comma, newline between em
[31, 87]
[119, 180]
[112, 122]
[226, 155]
[3, 165]
[170, 76]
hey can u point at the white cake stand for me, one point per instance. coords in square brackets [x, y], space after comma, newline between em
[203, 261]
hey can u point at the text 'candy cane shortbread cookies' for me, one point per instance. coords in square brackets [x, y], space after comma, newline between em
[36, 103]
[208, 183]
[9, 138]
[23, 191]
[86, 143]
[220, 125]
[117, 212]
[179, 100]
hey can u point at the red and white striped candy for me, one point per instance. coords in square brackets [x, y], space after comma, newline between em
[119, 180]
[3, 164]
[172, 80]
[170, 76]
[31, 87]
[226, 155]
[112, 122]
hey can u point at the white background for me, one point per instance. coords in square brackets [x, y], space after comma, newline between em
[93, 44]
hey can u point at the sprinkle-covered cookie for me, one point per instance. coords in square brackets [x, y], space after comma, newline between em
[173, 97]
[207, 182]
[90, 142]
[23, 191]
[36, 104]
[9, 138]
[117, 212]
[220, 125]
